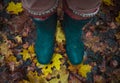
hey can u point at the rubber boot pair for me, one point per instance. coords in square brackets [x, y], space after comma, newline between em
[44, 45]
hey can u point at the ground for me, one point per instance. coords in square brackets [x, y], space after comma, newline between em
[18, 62]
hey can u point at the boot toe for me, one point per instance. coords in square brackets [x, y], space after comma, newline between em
[44, 56]
[76, 58]
[75, 55]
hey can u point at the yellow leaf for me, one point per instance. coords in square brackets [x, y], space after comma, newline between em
[118, 18]
[108, 2]
[12, 59]
[31, 49]
[63, 76]
[37, 63]
[25, 54]
[19, 39]
[59, 34]
[35, 78]
[84, 69]
[47, 69]
[4, 50]
[56, 61]
[14, 8]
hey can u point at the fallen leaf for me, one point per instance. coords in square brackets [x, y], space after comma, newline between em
[108, 2]
[4, 50]
[25, 54]
[31, 48]
[60, 76]
[35, 78]
[118, 18]
[60, 37]
[84, 69]
[14, 8]
[19, 39]
[56, 61]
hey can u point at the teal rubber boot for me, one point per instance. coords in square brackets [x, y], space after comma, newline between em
[73, 33]
[44, 44]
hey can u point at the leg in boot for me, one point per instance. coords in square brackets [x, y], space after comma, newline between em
[73, 23]
[44, 45]
[74, 43]
[45, 19]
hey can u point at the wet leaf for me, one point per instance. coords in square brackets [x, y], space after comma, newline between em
[108, 2]
[55, 63]
[35, 78]
[19, 39]
[4, 50]
[118, 18]
[14, 8]
[25, 54]
[84, 70]
[60, 37]
[31, 49]
[61, 76]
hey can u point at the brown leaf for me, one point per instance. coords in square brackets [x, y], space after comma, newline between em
[4, 50]
[17, 23]
[113, 63]
[73, 79]
[89, 34]
[113, 25]
[99, 79]
[3, 77]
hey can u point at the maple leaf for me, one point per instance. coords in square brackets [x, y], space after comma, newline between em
[12, 62]
[11, 58]
[63, 76]
[118, 18]
[84, 69]
[59, 34]
[81, 69]
[25, 54]
[28, 53]
[35, 78]
[108, 2]
[14, 8]
[31, 49]
[4, 50]
[47, 69]
[19, 39]
[56, 61]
